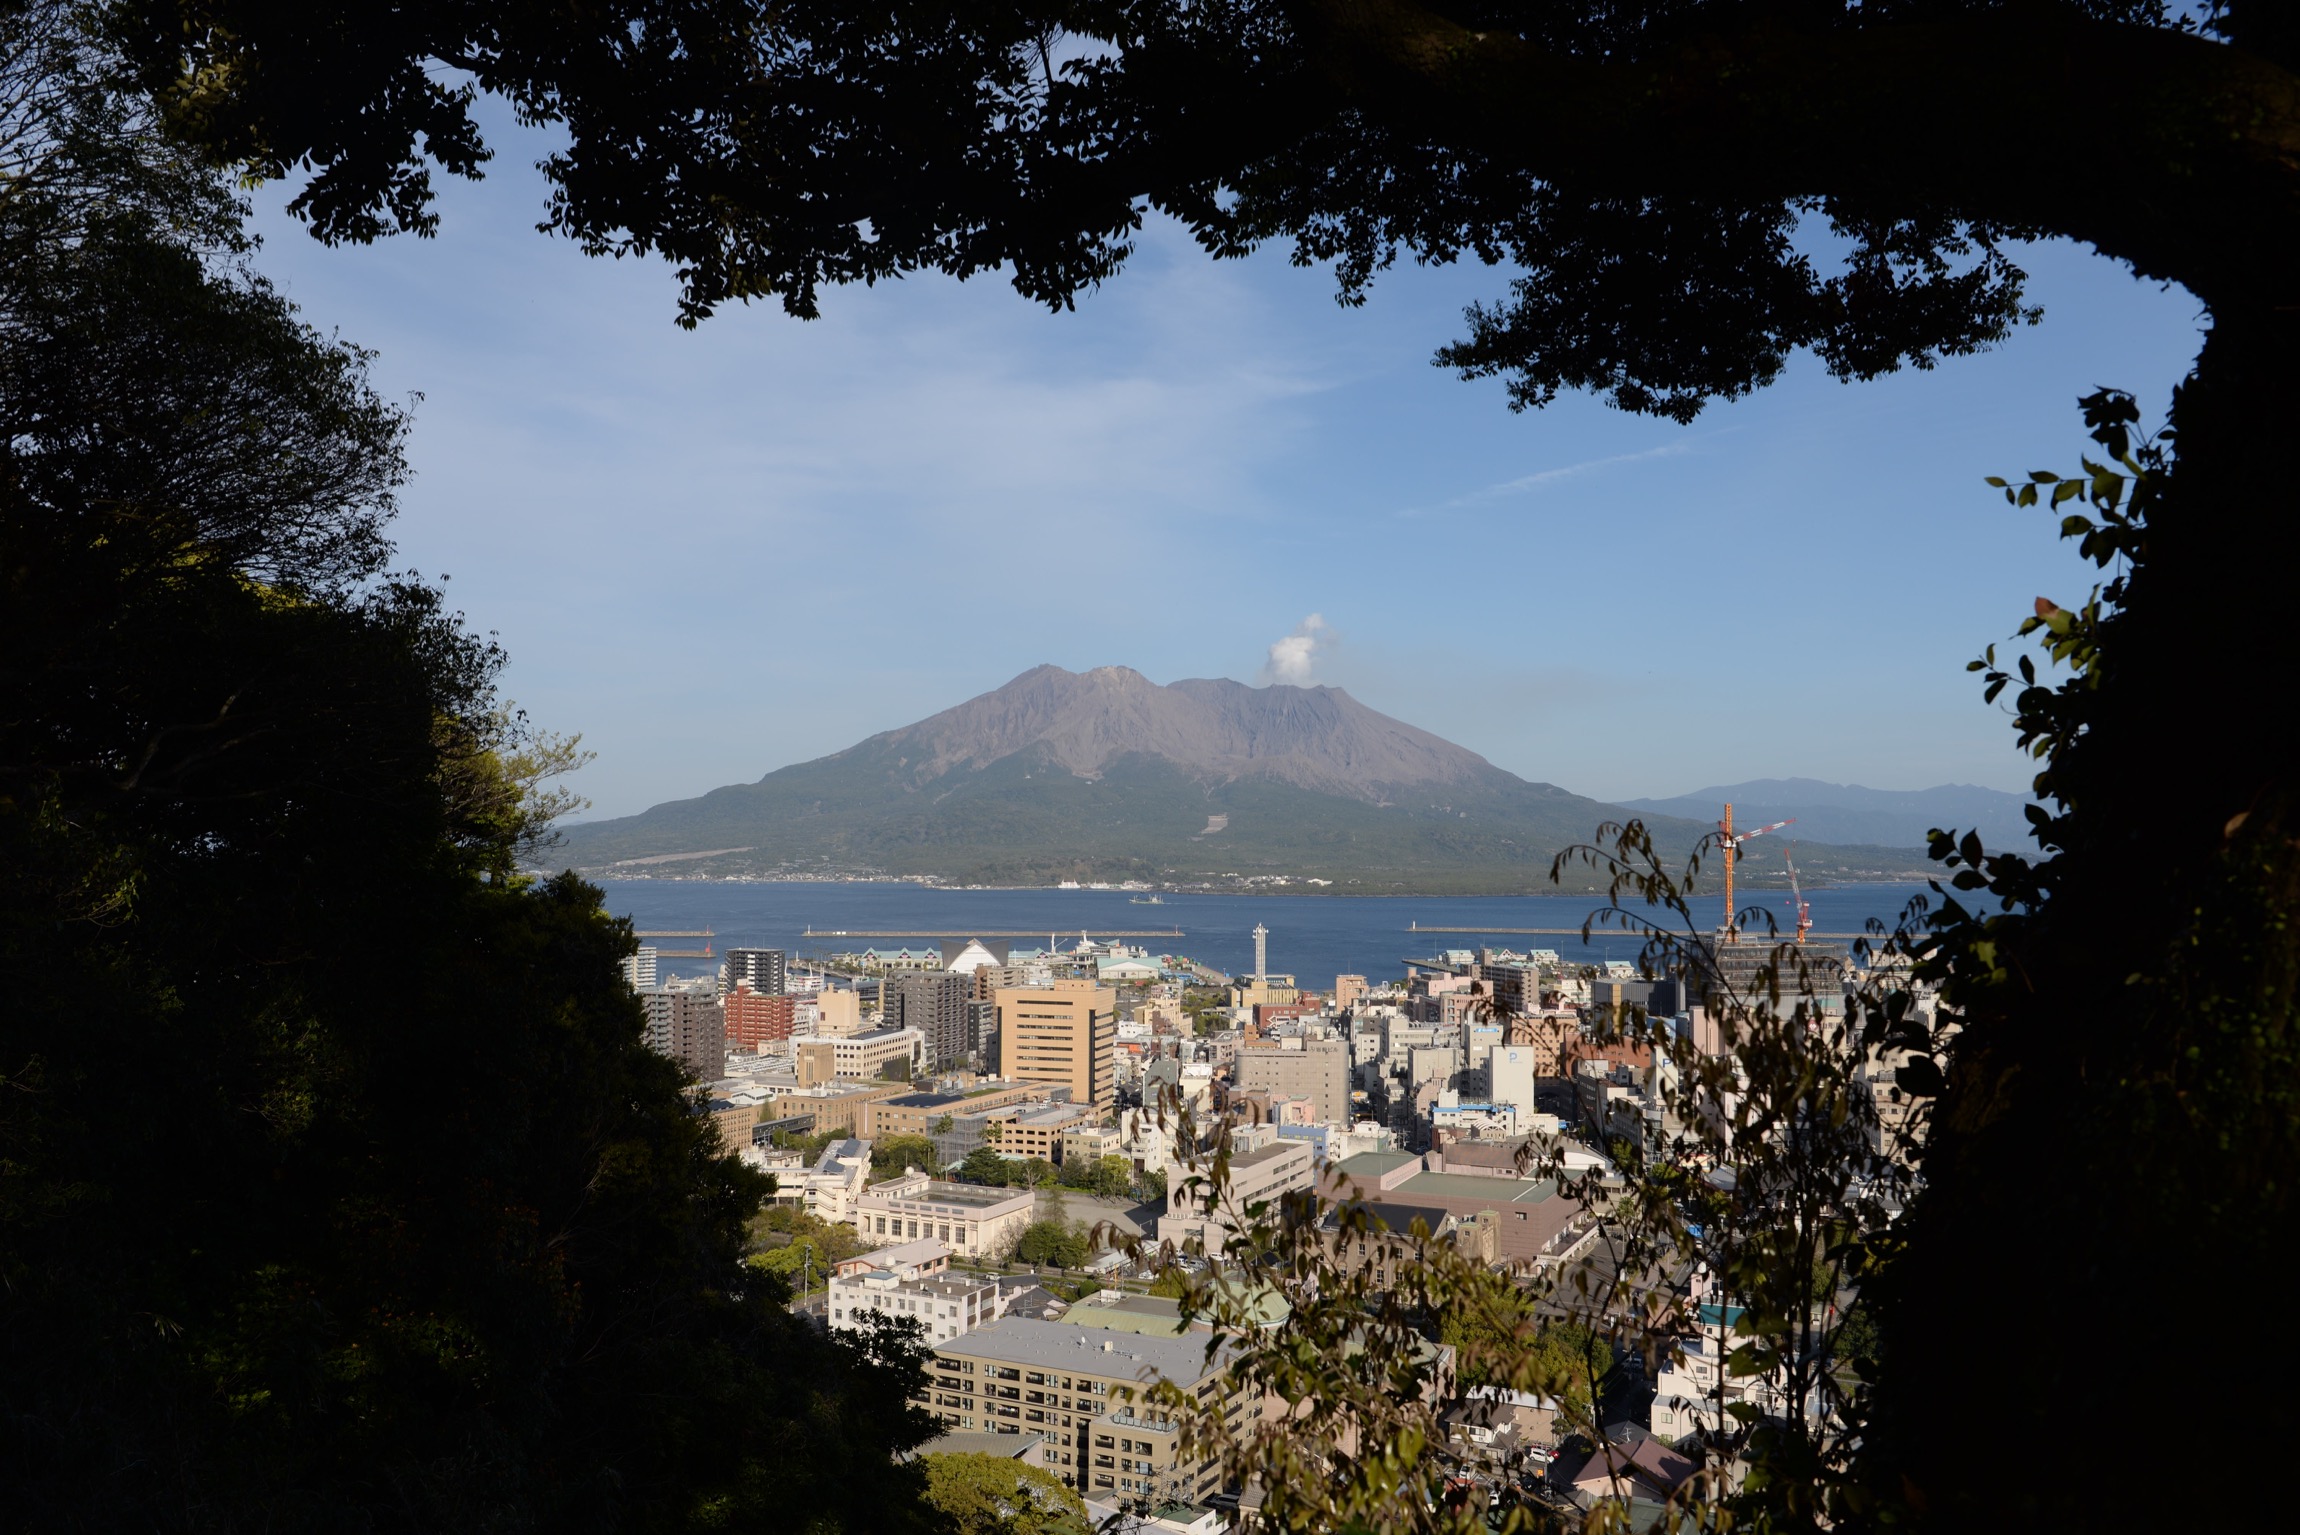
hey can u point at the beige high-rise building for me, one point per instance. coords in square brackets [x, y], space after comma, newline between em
[1064, 1034]
[1317, 1069]
[1347, 990]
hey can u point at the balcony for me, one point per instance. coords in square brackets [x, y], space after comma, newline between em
[1128, 1420]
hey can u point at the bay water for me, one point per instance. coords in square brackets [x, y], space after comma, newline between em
[1312, 937]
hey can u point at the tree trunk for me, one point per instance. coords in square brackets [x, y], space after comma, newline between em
[2093, 1274]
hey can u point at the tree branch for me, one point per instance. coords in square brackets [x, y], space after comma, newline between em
[2178, 155]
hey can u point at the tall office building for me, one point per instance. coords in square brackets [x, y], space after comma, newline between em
[765, 969]
[1062, 1034]
[684, 1022]
[935, 1005]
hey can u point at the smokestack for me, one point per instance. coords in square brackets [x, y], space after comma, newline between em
[1261, 954]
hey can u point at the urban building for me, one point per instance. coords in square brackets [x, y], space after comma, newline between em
[838, 1014]
[919, 1113]
[935, 1004]
[982, 1029]
[829, 1189]
[1040, 1132]
[755, 1018]
[890, 1284]
[829, 1105]
[639, 968]
[890, 1053]
[1535, 1222]
[766, 969]
[970, 1220]
[1319, 1070]
[1082, 1387]
[684, 1023]
[1194, 1222]
[1348, 989]
[1063, 1034]
[1512, 1073]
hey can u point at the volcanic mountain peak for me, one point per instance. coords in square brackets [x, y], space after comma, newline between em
[1315, 738]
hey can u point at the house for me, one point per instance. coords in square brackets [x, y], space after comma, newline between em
[1628, 1465]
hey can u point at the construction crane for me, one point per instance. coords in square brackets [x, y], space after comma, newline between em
[1803, 907]
[1732, 846]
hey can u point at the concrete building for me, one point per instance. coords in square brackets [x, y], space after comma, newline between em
[1195, 1222]
[1318, 1070]
[1535, 1222]
[889, 1283]
[639, 968]
[1040, 1132]
[934, 1003]
[1082, 1387]
[829, 1105]
[1512, 1074]
[1065, 1034]
[1348, 989]
[838, 1014]
[895, 1054]
[684, 1023]
[828, 1190]
[972, 1221]
[756, 1018]
[919, 1113]
[766, 970]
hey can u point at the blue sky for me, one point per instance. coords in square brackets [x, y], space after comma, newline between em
[718, 552]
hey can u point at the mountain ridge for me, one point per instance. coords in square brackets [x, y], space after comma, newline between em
[1105, 775]
[1852, 814]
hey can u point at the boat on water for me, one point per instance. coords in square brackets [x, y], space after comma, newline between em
[1146, 900]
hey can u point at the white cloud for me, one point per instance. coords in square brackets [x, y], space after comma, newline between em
[1294, 659]
[1540, 478]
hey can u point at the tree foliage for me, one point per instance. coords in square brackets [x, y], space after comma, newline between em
[998, 1495]
[1053, 1242]
[337, 1189]
[892, 1154]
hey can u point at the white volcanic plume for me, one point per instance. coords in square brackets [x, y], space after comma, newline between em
[1295, 658]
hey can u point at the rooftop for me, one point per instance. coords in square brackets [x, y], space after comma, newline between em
[1371, 1165]
[1154, 1315]
[969, 1195]
[1513, 1191]
[1027, 1344]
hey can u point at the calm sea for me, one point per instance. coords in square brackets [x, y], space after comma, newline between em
[1313, 938]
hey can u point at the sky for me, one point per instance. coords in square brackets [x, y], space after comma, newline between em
[717, 552]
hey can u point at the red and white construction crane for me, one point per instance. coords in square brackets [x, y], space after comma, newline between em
[1797, 901]
[1731, 843]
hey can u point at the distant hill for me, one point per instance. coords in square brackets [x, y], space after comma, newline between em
[1840, 813]
[1105, 775]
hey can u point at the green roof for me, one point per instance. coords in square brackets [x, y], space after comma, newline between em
[1368, 1165]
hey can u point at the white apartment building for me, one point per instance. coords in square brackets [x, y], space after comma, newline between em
[1686, 1396]
[945, 1305]
[972, 1221]
[828, 1190]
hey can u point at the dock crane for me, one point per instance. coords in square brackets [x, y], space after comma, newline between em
[1803, 907]
[1731, 843]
